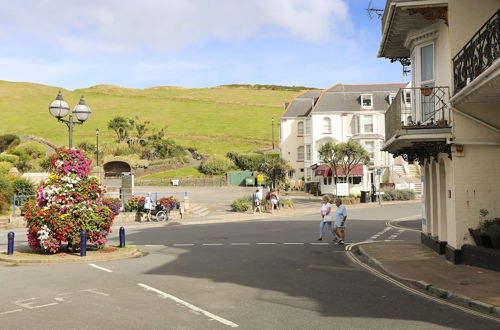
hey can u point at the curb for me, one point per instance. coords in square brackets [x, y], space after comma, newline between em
[132, 252]
[429, 288]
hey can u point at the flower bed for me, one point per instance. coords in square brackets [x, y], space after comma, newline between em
[67, 203]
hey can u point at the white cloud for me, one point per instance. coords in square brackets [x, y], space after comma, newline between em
[114, 26]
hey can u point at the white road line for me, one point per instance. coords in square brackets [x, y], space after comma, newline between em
[266, 243]
[188, 305]
[293, 243]
[212, 244]
[153, 245]
[13, 311]
[101, 268]
[183, 244]
[240, 243]
[320, 243]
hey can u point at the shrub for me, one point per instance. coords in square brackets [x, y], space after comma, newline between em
[216, 165]
[114, 204]
[86, 146]
[397, 195]
[23, 165]
[23, 186]
[6, 193]
[9, 158]
[44, 163]
[170, 203]
[242, 204]
[246, 161]
[8, 141]
[135, 204]
[5, 167]
[30, 148]
[167, 148]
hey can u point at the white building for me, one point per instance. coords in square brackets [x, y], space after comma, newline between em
[453, 50]
[338, 114]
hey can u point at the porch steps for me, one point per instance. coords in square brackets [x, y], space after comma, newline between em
[418, 188]
[399, 170]
[197, 211]
[414, 170]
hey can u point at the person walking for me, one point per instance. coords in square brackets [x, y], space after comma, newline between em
[148, 205]
[273, 200]
[256, 201]
[326, 217]
[340, 219]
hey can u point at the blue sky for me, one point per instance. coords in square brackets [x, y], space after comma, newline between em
[192, 43]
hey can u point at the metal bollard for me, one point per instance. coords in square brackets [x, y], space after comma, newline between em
[122, 237]
[83, 243]
[10, 247]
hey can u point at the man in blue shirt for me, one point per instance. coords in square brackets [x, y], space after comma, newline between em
[340, 218]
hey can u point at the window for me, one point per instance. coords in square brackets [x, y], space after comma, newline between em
[308, 152]
[368, 124]
[408, 97]
[391, 98]
[327, 125]
[300, 128]
[300, 154]
[308, 126]
[427, 63]
[367, 101]
[370, 147]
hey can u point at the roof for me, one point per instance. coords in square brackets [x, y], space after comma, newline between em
[302, 104]
[347, 98]
[324, 170]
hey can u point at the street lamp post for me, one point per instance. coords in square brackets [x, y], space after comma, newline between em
[272, 130]
[97, 147]
[60, 109]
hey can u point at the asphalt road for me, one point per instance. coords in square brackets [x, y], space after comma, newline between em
[267, 274]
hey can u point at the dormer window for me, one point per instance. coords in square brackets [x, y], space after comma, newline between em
[367, 101]
[391, 98]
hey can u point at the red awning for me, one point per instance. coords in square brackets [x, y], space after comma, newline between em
[324, 170]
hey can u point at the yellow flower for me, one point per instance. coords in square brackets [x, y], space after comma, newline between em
[64, 215]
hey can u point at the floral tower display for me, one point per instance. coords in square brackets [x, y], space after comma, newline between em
[68, 202]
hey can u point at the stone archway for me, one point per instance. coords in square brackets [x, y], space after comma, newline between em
[115, 168]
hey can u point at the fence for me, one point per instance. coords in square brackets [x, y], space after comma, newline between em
[19, 200]
[203, 181]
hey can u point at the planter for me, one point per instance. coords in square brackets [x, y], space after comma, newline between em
[482, 240]
[495, 239]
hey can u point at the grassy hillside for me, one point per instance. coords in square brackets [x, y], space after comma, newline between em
[213, 120]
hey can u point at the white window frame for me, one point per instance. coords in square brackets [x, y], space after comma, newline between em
[300, 153]
[307, 151]
[307, 130]
[326, 129]
[370, 153]
[300, 128]
[372, 124]
[392, 96]
[366, 96]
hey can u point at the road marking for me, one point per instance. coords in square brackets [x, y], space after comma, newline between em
[188, 305]
[403, 286]
[12, 311]
[377, 235]
[183, 244]
[29, 303]
[293, 243]
[153, 245]
[266, 243]
[212, 244]
[240, 243]
[101, 268]
[320, 243]
[96, 292]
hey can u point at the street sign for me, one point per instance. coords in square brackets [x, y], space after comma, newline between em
[379, 171]
[342, 189]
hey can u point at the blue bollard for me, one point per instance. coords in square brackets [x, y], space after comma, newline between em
[10, 247]
[83, 243]
[122, 237]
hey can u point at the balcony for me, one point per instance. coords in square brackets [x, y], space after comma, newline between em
[418, 122]
[476, 71]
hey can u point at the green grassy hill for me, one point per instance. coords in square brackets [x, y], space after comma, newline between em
[213, 120]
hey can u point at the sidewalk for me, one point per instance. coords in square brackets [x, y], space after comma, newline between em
[420, 266]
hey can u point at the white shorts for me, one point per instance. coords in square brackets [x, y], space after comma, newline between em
[274, 201]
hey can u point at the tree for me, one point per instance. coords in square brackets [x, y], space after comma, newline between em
[121, 126]
[275, 169]
[330, 155]
[352, 154]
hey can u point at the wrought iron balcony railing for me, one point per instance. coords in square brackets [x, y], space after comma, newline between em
[478, 54]
[418, 107]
